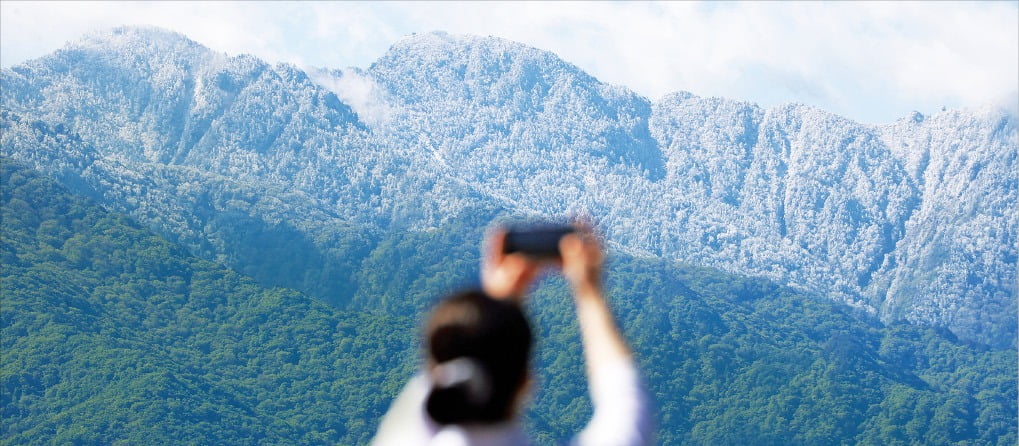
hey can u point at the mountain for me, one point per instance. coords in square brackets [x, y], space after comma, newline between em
[914, 220]
[113, 334]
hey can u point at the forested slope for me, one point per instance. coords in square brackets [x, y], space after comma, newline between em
[112, 333]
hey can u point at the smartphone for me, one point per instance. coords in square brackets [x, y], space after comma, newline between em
[537, 241]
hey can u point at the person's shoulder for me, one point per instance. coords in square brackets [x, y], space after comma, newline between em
[406, 422]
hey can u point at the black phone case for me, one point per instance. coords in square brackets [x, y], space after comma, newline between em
[536, 241]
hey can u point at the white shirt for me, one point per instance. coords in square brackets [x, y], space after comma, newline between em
[620, 418]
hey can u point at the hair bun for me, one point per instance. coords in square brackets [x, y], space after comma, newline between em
[460, 390]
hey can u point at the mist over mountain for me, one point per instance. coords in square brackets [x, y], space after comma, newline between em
[915, 220]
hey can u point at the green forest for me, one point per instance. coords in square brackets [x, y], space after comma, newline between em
[113, 335]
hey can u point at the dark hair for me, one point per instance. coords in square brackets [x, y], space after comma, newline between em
[479, 349]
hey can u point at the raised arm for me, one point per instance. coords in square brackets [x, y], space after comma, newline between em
[620, 406]
[582, 267]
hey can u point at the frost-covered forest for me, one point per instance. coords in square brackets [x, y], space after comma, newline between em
[915, 220]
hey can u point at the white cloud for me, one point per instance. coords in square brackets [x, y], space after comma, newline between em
[871, 61]
[360, 92]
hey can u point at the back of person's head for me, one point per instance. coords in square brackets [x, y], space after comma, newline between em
[478, 349]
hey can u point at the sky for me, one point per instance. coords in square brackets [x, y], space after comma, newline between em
[873, 62]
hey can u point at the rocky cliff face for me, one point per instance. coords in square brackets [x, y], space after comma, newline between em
[913, 220]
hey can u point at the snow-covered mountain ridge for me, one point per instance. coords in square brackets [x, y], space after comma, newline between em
[913, 220]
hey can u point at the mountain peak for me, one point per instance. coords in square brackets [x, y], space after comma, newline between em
[137, 37]
[441, 40]
[471, 58]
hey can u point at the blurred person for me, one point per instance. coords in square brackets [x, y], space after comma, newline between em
[478, 345]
